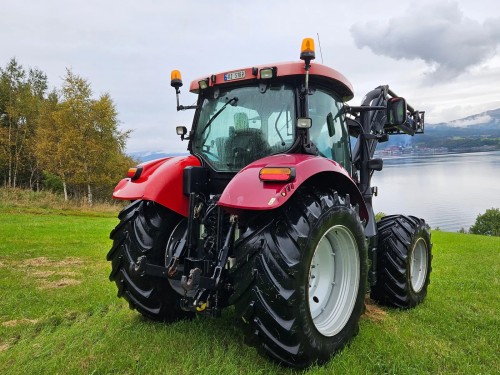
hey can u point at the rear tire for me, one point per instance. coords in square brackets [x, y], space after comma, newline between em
[403, 261]
[144, 230]
[308, 262]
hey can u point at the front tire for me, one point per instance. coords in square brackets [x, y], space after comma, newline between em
[308, 261]
[144, 230]
[403, 261]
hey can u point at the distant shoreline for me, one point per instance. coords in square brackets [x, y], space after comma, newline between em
[430, 152]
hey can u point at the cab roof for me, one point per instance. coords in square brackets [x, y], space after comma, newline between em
[339, 82]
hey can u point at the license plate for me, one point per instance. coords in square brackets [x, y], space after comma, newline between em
[234, 75]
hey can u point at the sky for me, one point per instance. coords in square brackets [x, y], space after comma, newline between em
[442, 56]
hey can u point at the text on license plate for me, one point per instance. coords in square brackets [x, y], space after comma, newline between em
[234, 75]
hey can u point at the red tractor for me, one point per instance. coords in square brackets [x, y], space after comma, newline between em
[272, 211]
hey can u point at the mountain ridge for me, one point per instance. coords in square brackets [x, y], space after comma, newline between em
[485, 120]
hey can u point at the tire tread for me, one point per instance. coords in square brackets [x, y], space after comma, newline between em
[143, 231]
[397, 233]
[269, 304]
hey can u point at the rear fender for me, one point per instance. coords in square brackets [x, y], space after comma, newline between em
[247, 192]
[160, 181]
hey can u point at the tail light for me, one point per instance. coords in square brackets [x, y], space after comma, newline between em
[134, 173]
[277, 174]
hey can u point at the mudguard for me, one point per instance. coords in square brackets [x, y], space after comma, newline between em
[160, 181]
[247, 192]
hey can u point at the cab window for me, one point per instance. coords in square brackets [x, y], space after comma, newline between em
[242, 124]
[328, 131]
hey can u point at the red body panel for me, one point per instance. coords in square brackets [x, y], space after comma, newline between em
[160, 181]
[247, 192]
[344, 87]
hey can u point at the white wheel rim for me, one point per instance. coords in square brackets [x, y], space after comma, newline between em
[333, 280]
[418, 265]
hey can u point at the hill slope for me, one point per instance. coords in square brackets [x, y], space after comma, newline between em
[480, 132]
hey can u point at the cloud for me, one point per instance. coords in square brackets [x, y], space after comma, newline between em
[438, 33]
[473, 120]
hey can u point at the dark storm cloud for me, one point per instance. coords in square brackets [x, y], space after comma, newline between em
[440, 34]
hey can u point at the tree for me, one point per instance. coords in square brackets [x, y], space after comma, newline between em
[52, 142]
[81, 135]
[488, 223]
[67, 135]
[37, 81]
[21, 96]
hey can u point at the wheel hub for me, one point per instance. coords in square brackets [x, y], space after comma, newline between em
[334, 275]
[418, 265]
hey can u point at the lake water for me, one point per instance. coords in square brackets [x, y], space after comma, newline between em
[448, 191]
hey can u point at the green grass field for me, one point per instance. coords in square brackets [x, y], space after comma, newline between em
[60, 314]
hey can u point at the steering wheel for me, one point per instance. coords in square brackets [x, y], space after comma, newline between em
[215, 156]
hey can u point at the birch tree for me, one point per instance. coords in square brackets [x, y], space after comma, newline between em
[91, 137]
[21, 96]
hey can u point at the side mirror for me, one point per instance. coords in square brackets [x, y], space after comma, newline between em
[396, 111]
[182, 131]
[331, 124]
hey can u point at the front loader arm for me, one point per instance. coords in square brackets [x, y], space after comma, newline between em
[371, 123]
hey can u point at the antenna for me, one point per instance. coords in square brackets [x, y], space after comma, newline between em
[320, 51]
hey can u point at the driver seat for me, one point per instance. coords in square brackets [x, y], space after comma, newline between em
[245, 144]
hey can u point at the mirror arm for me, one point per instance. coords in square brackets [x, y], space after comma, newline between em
[365, 108]
[184, 107]
[406, 129]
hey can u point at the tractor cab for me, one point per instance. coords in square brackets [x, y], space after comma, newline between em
[237, 125]
[248, 114]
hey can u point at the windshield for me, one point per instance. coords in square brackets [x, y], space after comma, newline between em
[240, 125]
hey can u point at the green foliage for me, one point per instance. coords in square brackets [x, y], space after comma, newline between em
[379, 216]
[21, 95]
[80, 141]
[488, 223]
[52, 182]
[62, 140]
